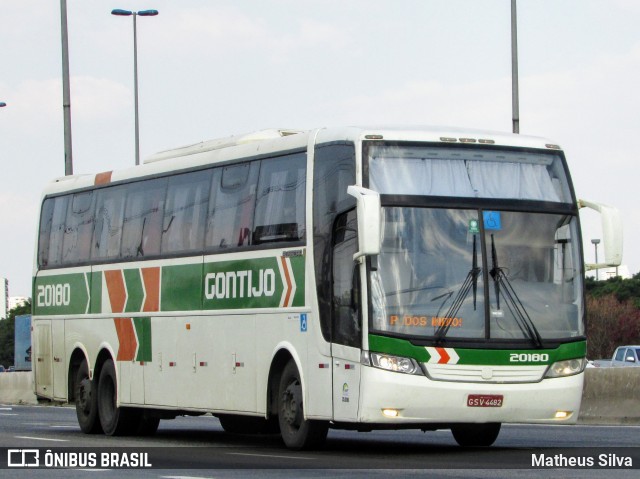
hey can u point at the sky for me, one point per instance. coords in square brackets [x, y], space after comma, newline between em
[214, 68]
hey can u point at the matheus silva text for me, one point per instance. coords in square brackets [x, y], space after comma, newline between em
[560, 460]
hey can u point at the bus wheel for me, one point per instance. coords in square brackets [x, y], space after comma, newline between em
[115, 421]
[297, 432]
[476, 435]
[86, 397]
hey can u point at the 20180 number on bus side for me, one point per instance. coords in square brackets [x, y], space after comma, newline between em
[295, 281]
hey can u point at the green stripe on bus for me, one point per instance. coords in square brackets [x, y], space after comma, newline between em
[143, 332]
[241, 284]
[61, 294]
[297, 265]
[270, 282]
[96, 292]
[135, 291]
[181, 288]
[489, 357]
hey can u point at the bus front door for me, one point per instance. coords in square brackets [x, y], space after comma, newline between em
[346, 322]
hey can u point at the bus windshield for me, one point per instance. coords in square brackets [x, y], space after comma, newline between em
[468, 173]
[436, 272]
[475, 273]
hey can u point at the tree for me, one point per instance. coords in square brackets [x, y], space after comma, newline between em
[613, 315]
[610, 323]
[7, 333]
[622, 289]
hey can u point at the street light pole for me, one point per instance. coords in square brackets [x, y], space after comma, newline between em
[66, 91]
[515, 102]
[144, 13]
[135, 88]
[595, 243]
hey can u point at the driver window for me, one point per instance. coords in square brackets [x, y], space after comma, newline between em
[346, 317]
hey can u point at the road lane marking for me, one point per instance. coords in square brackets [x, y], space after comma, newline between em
[71, 426]
[275, 456]
[41, 439]
[183, 477]
[8, 414]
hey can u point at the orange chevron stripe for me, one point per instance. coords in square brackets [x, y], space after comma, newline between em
[287, 298]
[151, 278]
[103, 178]
[126, 338]
[444, 356]
[117, 290]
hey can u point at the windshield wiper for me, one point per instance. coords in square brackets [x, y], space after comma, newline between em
[517, 309]
[470, 282]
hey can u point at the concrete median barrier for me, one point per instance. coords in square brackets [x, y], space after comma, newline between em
[611, 395]
[17, 388]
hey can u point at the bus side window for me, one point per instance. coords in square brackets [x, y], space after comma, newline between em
[346, 317]
[46, 221]
[143, 219]
[333, 171]
[107, 234]
[280, 202]
[230, 218]
[56, 231]
[79, 229]
[185, 212]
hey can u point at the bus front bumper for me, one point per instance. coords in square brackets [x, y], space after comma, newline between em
[388, 397]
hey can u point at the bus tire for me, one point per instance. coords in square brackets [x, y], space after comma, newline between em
[476, 435]
[86, 399]
[115, 421]
[296, 431]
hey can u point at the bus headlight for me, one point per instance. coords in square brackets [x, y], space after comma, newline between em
[568, 367]
[394, 363]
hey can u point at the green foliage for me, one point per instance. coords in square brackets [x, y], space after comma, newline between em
[622, 289]
[7, 333]
[613, 315]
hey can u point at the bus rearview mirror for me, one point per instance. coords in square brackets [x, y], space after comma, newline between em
[369, 220]
[611, 234]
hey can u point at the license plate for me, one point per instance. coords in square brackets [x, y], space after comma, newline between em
[485, 400]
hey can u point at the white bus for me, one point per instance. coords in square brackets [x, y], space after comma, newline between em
[296, 281]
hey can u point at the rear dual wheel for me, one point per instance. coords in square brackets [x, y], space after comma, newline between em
[86, 398]
[96, 407]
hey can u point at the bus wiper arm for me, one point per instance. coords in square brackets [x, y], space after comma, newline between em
[470, 282]
[476, 272]
[516, 307]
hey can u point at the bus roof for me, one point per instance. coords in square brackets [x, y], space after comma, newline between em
[265, 142]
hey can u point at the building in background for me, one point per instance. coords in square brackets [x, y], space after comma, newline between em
[606, 273]
[15, 301]
[622, 271]
[4, 298]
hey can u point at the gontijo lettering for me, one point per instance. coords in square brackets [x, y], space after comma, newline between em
[240, 284]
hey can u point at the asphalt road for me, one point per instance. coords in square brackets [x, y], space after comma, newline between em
[197, 447]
